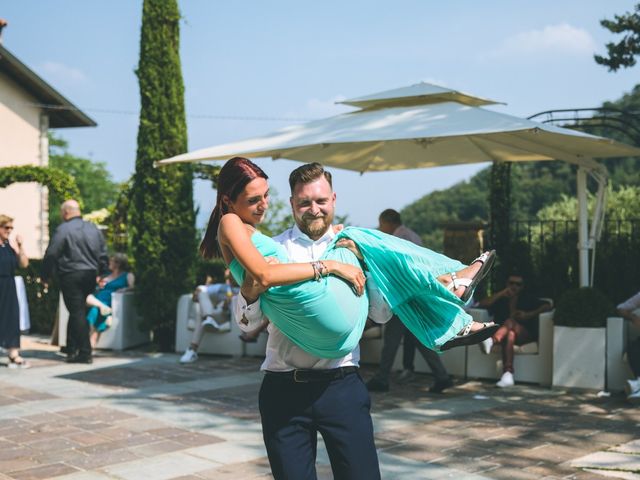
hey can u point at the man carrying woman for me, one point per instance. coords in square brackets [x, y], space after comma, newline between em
[311, 379]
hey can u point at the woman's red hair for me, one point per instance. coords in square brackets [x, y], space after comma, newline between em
[232, 179]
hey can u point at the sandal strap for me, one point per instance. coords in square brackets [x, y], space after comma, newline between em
[467, 330]
[453, 284]
[456, 282]
[482, 258]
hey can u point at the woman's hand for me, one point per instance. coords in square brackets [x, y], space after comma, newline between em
[250, 289]
[351, 245]
[354, 275]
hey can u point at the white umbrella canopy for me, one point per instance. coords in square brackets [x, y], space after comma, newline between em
[418, 127]
[426, 125]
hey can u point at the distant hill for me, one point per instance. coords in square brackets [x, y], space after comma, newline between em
[534, 185]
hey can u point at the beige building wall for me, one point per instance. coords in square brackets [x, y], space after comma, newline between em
[23, 141]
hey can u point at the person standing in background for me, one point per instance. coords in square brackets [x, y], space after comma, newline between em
[390, 222]
[78, 254]
[12, 256]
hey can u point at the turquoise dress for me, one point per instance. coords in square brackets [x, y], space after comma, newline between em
[95, 319]
[327, 318]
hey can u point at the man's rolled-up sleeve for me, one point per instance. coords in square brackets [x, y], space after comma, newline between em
[248, 316]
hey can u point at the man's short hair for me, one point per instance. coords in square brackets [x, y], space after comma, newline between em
[391, 216]
[307, 173]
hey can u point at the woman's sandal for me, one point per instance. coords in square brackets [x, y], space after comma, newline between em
[467, 337]
[18, 362]
[487, 259]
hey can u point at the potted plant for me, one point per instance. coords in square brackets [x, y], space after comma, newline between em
[579, 339]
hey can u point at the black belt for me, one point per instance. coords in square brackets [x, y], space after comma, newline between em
[310, 375]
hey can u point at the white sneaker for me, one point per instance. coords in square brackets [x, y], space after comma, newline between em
[506, 380]
[209, 323]
[189, 356]
[634, 398]
[486, 345]
[225, 327]
[632, 386]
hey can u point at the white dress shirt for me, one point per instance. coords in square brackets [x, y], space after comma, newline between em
[282, 354]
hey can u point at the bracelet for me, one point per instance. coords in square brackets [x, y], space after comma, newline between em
[319, 270]
[316, 272]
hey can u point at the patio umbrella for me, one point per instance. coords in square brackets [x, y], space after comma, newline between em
[425, 125]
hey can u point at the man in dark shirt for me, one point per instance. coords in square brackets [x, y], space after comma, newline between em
[390, 222]
[77, 253]
[517, 312]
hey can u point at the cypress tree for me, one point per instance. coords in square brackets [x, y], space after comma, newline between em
[163, 238]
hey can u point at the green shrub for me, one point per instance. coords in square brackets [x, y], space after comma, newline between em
[43, 304]
[583, 307]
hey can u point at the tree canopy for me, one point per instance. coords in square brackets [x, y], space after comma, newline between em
[95, 184]
[622, 54]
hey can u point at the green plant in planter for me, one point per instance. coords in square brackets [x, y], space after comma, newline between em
[583, 307]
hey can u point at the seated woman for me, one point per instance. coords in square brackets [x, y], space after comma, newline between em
[99, 303]
[326, 317]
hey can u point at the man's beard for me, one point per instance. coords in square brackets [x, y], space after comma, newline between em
[315, 227]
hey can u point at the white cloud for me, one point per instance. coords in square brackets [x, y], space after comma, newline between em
[315, 108]
[63, 73]
[561, 39]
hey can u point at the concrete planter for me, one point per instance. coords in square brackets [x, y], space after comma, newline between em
[579, 357]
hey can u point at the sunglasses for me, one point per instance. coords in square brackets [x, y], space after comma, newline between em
[515, 284]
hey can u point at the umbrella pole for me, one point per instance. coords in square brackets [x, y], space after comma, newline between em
[583, 228]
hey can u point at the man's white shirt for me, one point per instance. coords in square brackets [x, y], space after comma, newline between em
[281, 353]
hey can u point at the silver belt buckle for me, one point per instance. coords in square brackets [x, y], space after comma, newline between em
[295, 377]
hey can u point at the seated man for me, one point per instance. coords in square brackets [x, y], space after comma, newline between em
[213, 314]
[516, 310]
[630, 310]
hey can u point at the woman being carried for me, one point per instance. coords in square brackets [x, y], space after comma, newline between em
[326, 317]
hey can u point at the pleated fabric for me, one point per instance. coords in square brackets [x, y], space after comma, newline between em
[407, 277]
[326, 318]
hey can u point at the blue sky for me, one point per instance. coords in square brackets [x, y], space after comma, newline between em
[294, 59]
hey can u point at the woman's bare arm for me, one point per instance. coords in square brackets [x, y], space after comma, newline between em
[233, 235]
[23, 260]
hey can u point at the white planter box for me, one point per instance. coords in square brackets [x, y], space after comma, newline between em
[579, 357]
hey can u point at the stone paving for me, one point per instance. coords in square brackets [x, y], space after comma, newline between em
[140, 415]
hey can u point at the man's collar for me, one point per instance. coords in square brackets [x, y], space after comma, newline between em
[297, 234]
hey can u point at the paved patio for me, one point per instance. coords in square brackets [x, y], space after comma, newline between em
[139, 415]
